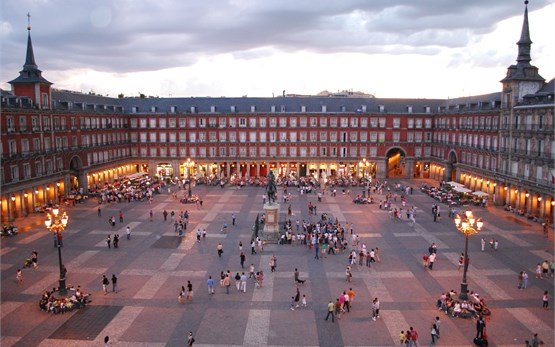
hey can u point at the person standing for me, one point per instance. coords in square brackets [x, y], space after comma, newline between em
[210, 284]
[303, 301]
[19, 277]
[297, 297]
[480, 325]
[105, 283]
[190, 339]
[251, 272]
[35, 259]
[242, 258]
[99, 212]
[233, 219]
[128, 232]
[483, 243]
[220, 249]
[114, 283]
[151, 215]
[108, 241]
[189, 291]
[116, 240]
[461, 262]
[165, 214]
[524, 280]
[331, 308]
[545, 300]
[272, 264]
[253, 245]
[238, 281]
[227, 283]
[120, 217]
[425, 259]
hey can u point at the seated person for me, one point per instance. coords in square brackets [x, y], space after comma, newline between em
[457, 309]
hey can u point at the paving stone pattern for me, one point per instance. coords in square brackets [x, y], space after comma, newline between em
[155, 263]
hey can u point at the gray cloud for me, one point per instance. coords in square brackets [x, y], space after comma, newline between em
[127, 35]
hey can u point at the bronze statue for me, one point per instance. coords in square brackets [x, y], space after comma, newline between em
[271, 187]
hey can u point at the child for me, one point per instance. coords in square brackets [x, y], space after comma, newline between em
[292, 303]
[402, 337]
[304, 301]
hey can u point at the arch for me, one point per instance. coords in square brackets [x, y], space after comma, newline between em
[75, 163]
[396, 162]
[451, 173]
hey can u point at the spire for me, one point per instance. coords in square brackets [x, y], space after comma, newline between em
[30, 72]
[30, 58]
[525, 42]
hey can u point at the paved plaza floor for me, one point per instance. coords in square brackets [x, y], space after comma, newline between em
[155, 263]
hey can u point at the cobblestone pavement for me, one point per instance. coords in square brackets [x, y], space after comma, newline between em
[155, 263]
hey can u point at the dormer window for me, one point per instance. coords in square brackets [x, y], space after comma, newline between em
[324, 109]
[409, 109]
[153, 109]
[381, 108]
[173, 109]
[212, 109]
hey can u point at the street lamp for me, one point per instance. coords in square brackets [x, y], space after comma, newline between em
[468, 225]
[57, 224]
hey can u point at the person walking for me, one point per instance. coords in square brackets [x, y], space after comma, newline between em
[431, 260]
[545, 300]
[242, 258]
[331, 308]
[116, 240]
[190, 339]
[151, 215]
[105, 283]
[35, 259]
[210, 284]
[233, 219]
[413, 337]
[253, 247]
[297, 279]
[180, 295]
[375, 309]
[238, 281]
[243, 282]
[437, 323]
[433, 332]
[483, 243]
[272, 264]
[220, 249]
[99, 212]
[114, 283]
[108, 241]
[297, 297]
[251, 272]
[19, 277]
[165, 214]
[349, 273]
[120, 216]
[128, 232]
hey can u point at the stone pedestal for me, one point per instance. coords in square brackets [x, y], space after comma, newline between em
[271, 225]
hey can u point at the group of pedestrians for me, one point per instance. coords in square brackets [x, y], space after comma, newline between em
[106, 283]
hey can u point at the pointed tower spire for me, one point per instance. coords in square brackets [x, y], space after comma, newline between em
[30, 82]
[525, 43]
[30, 58]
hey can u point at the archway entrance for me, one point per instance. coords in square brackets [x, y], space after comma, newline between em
[75, 174]
[396, 163]
[451, 173]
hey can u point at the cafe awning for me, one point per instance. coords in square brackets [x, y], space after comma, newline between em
[461, 189]
[480, 194]
[455, 184]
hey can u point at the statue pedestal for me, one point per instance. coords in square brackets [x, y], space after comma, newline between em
[271, 225]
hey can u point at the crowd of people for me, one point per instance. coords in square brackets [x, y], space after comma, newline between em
[51, 303]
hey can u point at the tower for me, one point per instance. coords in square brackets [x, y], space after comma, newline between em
[523, 78]
[30, 82]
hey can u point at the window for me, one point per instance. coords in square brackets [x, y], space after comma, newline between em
[152, 123]
[364, 122]
[252, 122]
[163, 137]
[38, 169]
[333, 136]
[252, 136]
[172, 122]
[418, 123]
[333, 122]
[262, 136]
[35, 124]
[293, 122]
[14, 171]
[262, 122]
[313, 122]
[282, 122]
[12, 147]
[396, 123]
[273, 122]
[25, 146]
[382, 122]
[344, 122]
[223, 136]
[222, 122]
[373, 136]
[303, 122]
[36, 144]
[293, 136]
[232, 136]
[381, 137]
[323, 136]
[396, 136]
[302, 136]
[22, 123]
[373, 122]
[242, 122]
[232, 122]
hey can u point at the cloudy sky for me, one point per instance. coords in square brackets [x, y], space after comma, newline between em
[390, 48]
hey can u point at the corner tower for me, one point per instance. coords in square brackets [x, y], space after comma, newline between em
[523, 78]
[30, 82]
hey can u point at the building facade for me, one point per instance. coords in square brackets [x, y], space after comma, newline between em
[57, 142]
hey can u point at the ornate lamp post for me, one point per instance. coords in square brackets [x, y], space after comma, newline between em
[468, 225]
[57, 224]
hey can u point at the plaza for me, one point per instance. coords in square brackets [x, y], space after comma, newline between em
[154, 264]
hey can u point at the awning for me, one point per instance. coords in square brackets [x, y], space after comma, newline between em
[480, 194]
[455, 184]
[461, 190]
